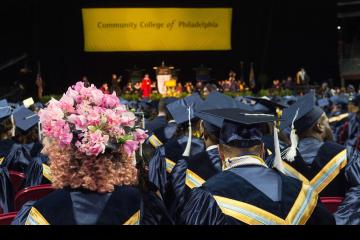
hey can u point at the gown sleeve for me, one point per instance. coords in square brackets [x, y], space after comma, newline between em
[349, 210]
[321, 216]
[23, 213]
[6, 203]
[154, 211]
[352, 169]
[202, 209]
[157, 170]
[34, 173]
[176, 191]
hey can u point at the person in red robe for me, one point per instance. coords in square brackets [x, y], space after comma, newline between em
[146, 86]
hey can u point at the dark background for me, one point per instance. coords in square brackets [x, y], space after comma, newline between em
[279, 36]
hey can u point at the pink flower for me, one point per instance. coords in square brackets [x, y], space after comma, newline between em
[93, 117]
[128, 119]
[67, 104]
[140, 135]
[52, 112]
[117, 132]
[112, 118]
[93, 143]
[110, 100]
[96, 96]
[130, 147]
[78, 120]
[65, 135]
[72, 93]
[79, 86]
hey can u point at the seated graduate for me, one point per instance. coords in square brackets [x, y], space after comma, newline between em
[247, 191]
[91, 141]
[267, 106]
[323, 164]
[160, 135]
[25, 153]
[162, 119]
[6, 129]
[338, 114]
[349, 133]
[185, 142]
[194, 171]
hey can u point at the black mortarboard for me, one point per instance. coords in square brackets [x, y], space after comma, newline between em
[25, 118]
[289, 100]
[356, 100]
[169, 100]
[179, 108]
[323, 102]
[339, 100]
[5, 109]
[308, 113]
[265, 105]
[240, 128]
[216, 100]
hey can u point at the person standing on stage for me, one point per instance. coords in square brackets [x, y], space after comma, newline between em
[146, 87]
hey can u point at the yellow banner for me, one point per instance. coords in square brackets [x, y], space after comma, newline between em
[156, 29]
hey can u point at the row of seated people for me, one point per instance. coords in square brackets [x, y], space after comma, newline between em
[314, 158]
[197, 162]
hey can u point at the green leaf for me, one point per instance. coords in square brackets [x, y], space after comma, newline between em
[124, 138]
[92, 128]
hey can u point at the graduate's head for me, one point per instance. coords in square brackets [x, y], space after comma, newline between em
[210, 125]
[309, 120]
[182, 110]
[238, 139]
[5, 120]
[209, 132]
[240, 132]
[27, 125]
[91, 140]
[5, 128]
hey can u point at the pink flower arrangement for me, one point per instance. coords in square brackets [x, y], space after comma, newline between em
[97, 119]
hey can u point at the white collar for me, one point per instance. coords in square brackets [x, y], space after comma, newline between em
[243, 160]
[172, 121]
[211, 147]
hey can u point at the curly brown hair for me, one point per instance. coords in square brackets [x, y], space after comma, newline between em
[69, 168]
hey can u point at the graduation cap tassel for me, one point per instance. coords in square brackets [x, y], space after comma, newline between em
[291, 152]
[188, 144]
[39, 131]
[13, 125]
[278, 164]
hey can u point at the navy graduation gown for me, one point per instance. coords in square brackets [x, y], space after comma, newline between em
[161, 135]
[353, 130]
[18, 159]
[38, 172]
[156, 123]
[125, 206]
[165, 158]
[5, 148]
[34, 148]
[322, 164]
[6, 194]
[190, 173]
[348, 212]
[254, 195]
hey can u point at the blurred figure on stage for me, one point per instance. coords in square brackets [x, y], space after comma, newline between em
[208, 89]
[276, 84]
[86, 81]
[105, 88]
[302, 78]
[115, 84]
[189, 87]
[179, 88]
[146, 87]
